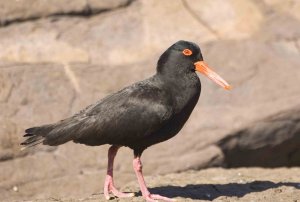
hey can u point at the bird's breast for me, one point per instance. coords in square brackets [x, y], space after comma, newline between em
[186, 93]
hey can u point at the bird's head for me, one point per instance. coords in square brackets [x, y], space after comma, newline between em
[185, 57]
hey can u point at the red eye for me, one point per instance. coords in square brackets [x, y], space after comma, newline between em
[187, 52]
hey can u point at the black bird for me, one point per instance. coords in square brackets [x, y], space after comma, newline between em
[138, 116]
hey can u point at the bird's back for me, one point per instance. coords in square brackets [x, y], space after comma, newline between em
[137, 116]
[123, 118]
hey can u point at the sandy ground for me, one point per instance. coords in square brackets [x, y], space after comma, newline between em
[217, 184]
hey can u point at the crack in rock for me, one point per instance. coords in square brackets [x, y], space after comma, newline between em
[86, 12]
[71, 75]
[297, 44]
[72, 102]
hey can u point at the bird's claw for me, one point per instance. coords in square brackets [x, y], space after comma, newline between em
[155, 197]
[119, 194]
[111, 189]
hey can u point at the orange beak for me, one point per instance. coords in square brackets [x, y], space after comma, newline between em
[202, 67]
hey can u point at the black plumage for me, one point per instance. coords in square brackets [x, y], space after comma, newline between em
[145, 113]
[138, 116]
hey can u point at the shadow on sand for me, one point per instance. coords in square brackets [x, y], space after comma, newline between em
[212, 191]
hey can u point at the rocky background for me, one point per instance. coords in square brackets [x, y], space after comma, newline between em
[58, 56]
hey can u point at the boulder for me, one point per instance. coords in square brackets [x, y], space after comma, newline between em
[271, 142]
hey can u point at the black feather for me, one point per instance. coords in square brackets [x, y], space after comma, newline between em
[36, 135]
[138, 116]
[27, 135]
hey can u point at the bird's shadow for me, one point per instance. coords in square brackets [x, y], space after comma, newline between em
[211, 191]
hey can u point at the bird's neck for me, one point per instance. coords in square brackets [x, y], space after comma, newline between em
[185, 89]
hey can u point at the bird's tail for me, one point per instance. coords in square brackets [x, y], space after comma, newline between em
[36, 135]
[52, 134]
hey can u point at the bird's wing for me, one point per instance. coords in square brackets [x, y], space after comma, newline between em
[125, 116]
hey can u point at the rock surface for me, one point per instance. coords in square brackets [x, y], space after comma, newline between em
[271, 142]
[216, 184]
[56, 58]
[26, 10]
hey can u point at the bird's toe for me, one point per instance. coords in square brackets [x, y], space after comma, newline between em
[119, 194]
[163, 198]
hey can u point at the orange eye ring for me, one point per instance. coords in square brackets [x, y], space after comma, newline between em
[187, 52]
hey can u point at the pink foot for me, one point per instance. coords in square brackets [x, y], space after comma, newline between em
[110, 188]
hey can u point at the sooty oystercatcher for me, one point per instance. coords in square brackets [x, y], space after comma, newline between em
[138, 116]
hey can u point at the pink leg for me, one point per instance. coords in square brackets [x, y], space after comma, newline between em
[137, 166]
[109, 186]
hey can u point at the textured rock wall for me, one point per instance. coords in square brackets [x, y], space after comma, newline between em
[57, 57]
